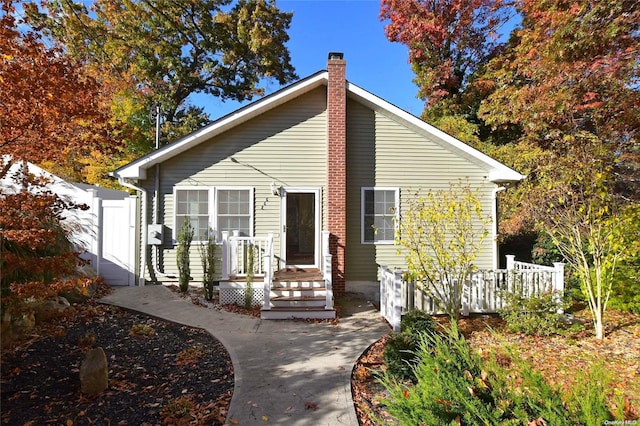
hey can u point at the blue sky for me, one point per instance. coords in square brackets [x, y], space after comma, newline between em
[349, 26]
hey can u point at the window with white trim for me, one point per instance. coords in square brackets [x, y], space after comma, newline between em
[379, 212]
[219, 208]
[234, 211]
[194, 204]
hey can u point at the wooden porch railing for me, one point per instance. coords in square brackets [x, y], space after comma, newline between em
[483, 293]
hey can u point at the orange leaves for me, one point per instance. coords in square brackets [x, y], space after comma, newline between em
[49, 102]
[447, 39]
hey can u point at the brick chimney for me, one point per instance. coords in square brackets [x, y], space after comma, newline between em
[337, 166]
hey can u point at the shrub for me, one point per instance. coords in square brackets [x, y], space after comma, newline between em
[399, 354]
[207, 256]
[535, 315]
[34, 243]
[185, 237]
[140, 330]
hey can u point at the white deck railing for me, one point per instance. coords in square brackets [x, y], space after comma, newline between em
[483, 293]
[236, 255]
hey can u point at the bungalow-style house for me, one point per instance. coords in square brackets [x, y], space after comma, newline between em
[312, 178]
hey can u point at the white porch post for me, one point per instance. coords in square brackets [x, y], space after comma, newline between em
[558, 284]
[511, 267]
[225, 256]
[268, 275]
[396, 315]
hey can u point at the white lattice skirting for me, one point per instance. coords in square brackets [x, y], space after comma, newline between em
[232, 293]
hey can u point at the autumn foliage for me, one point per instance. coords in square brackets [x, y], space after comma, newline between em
[50, 107]
[36, 253]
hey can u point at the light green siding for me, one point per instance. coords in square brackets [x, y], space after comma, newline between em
[382, 152]
[286, 145]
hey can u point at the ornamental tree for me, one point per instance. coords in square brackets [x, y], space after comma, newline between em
[588, 226]
[442, 233]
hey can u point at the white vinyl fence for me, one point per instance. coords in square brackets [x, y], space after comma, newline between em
[483, 293]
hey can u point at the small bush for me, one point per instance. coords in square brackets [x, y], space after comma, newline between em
[177, 411]
[207, 256]
[190, 356]
[532, 315]
[139, 330]
[185, 237]
[399, 354]
[416, 322]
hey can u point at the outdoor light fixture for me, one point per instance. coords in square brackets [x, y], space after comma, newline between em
[275, 190]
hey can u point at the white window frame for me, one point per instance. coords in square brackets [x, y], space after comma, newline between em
[234, 188]
[175, 207]
[212, 207]
[363, 190]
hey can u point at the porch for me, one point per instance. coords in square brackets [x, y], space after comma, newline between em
[483, 293]
[251, 272]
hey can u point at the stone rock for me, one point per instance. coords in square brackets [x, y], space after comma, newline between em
[94, 372]
[59, 304]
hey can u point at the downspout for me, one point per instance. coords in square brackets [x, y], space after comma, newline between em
[156, 203]
[494, 202]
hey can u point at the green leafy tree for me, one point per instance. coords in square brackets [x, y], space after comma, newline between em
[442, 233]
[173, 48]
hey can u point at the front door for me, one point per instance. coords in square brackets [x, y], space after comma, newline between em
[301, 227]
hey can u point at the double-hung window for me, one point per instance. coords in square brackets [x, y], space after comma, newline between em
[219, 208]
[379, 212]
[193, 204]
[234, 211]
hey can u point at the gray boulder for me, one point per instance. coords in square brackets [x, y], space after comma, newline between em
[94, 372]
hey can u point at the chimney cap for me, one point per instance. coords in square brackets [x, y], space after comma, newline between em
[336, 55]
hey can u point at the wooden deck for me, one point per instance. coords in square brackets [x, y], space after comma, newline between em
[297, 275]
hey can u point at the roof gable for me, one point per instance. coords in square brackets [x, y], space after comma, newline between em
[136, 170]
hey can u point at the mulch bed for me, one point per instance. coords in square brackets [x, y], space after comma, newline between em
[159, 372]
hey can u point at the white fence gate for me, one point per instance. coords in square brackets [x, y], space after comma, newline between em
[113, 241]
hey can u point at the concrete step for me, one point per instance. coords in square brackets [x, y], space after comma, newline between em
[298, 301]
[279, 313]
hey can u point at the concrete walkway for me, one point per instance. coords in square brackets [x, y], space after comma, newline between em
[282, 369]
